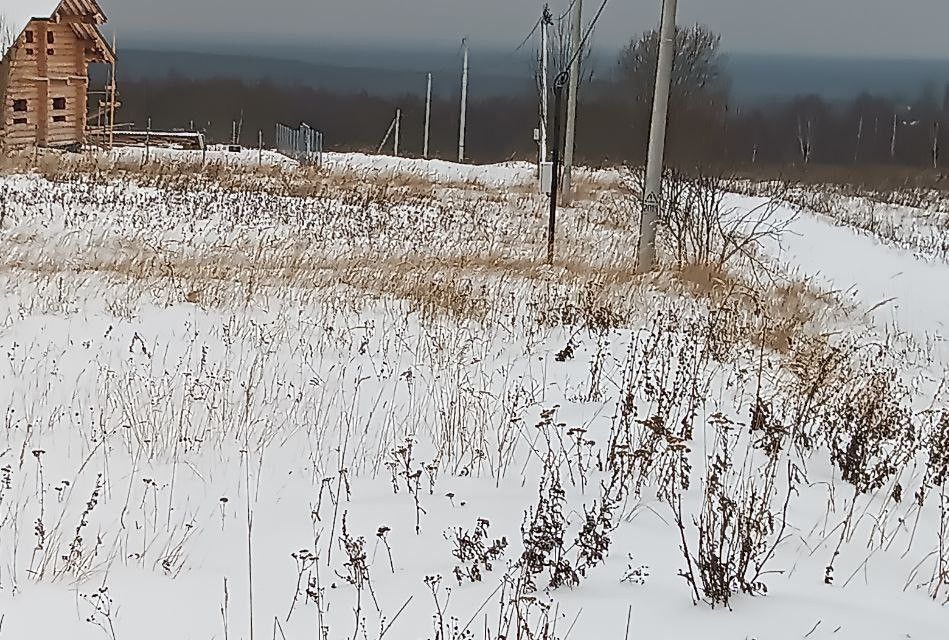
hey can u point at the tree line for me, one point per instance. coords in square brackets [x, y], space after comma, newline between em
[705, 127]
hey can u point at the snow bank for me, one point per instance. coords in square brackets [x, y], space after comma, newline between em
[215, 155]
[497, 175]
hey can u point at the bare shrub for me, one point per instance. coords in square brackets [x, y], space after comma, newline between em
[700, 230]
[475, 551]
[737, 528]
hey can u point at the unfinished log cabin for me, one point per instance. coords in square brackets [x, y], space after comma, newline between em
[44, 74]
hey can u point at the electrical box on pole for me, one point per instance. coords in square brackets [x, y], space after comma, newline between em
[546, 177]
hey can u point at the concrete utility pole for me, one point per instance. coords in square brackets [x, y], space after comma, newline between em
[112, 98]
[545, 22]
[657, 139]
[398, 125]
[428, 115]
[575, 55]
[464, 104]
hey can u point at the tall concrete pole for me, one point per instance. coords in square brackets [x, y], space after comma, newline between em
[575, 55]
[544, 72]
[428, 116]
[464, 105]
[657, 139]
[112, 97]
[398, 126]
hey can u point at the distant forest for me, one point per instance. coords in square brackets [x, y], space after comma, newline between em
[613, 117]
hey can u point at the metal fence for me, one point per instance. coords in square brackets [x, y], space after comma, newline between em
[304, 144]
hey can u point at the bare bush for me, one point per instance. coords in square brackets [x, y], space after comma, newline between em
[701, 230]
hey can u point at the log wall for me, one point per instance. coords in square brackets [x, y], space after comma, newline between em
[49, 70]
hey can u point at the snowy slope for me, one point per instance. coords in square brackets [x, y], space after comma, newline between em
[198, 389]
[901, 289]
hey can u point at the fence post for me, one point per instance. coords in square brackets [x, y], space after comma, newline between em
[148, 141]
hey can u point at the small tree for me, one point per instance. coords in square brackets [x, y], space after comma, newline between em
[699, 92]
[6, 36]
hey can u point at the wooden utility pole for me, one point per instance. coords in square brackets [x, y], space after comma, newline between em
[893, 139]
[388, 133]
[428, 116]
[464, 104]
[856, 149]
[936, 145]
[148, 141]
[657, 140]
[573, 90]
[559, 82]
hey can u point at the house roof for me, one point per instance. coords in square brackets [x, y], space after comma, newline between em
[16, 14]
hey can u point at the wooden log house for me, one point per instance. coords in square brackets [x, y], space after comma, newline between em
[47, 47]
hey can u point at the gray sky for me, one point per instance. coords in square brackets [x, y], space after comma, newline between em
[885, 28]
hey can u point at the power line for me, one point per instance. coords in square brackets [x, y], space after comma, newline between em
[564, 75]
[567, 12]
[529, 35]
[545, 18]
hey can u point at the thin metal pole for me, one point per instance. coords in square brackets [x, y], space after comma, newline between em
[464, 104]
[575, 35]
[555, 177]
[657, 139]
[428, 116]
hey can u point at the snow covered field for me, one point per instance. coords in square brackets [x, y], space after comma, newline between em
[359, 406]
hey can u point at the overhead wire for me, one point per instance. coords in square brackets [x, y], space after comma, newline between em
[567, 12]
[529, 35]
[565, 73]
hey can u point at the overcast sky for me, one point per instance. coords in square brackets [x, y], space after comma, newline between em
[885, 28]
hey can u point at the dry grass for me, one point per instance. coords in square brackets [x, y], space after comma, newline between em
[881, 179]
[450, 248]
